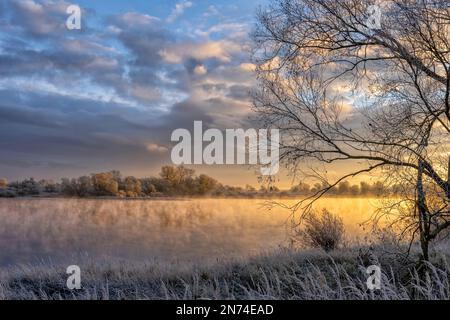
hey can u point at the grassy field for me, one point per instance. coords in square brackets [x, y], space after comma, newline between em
[286, 274]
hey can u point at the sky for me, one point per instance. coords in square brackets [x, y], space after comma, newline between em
[109, 95]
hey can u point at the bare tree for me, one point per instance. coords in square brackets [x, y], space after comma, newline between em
[340, 90]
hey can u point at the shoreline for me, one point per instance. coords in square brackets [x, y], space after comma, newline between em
[187, 198]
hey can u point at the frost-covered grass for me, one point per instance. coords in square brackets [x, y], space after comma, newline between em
[286, 274]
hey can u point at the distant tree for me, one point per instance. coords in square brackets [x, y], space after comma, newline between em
[354, 189]
[116, 175]
[205, 184]
[3, 183]
[84, 186]
[179, 179]
[27, 187]
[344, 187]
[250, 188]
[133, 187]
[48, 186]
[5, 190]
[378, 188]
[104, 184]
[176, 175]
[162, 186]
[301, 188]
[79, 187]
[147, 186]
[365, 188]
[316, 188]
[66, 187]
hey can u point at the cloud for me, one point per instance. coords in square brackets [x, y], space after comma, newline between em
[39, 18]
[200, 70]
[232, 30]
[211, 11]
[222, 50]
[248, 67]
[178, 11]
[239, 92]
[23, 164]
[39, 128]
[97, 98]
[146, 93]
[137, 19]
[156, 148]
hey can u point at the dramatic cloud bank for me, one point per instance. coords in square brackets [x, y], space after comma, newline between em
[107, 96]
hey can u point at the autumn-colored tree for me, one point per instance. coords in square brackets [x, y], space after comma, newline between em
[205, 184]
[3, 183]
[132, 187]
[104, 184]
[179, 179]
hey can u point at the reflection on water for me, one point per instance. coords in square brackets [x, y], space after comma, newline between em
[182, 230]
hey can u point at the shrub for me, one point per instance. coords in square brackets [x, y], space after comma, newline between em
[324, 230]
[7, 193]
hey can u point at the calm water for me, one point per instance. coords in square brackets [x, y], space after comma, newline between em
[57, 230]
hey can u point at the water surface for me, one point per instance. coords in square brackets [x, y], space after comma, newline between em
[60, 230]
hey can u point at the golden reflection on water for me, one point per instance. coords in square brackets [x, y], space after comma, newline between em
[165, 230]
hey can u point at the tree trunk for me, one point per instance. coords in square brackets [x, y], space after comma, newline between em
[424, 226]
[424, 244]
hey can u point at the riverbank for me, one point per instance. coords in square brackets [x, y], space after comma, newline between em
[180, 198]
[285, 274]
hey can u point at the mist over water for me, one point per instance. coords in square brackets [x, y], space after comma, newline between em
[198, 230]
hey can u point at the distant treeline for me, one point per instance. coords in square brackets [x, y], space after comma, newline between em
[172, 181]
